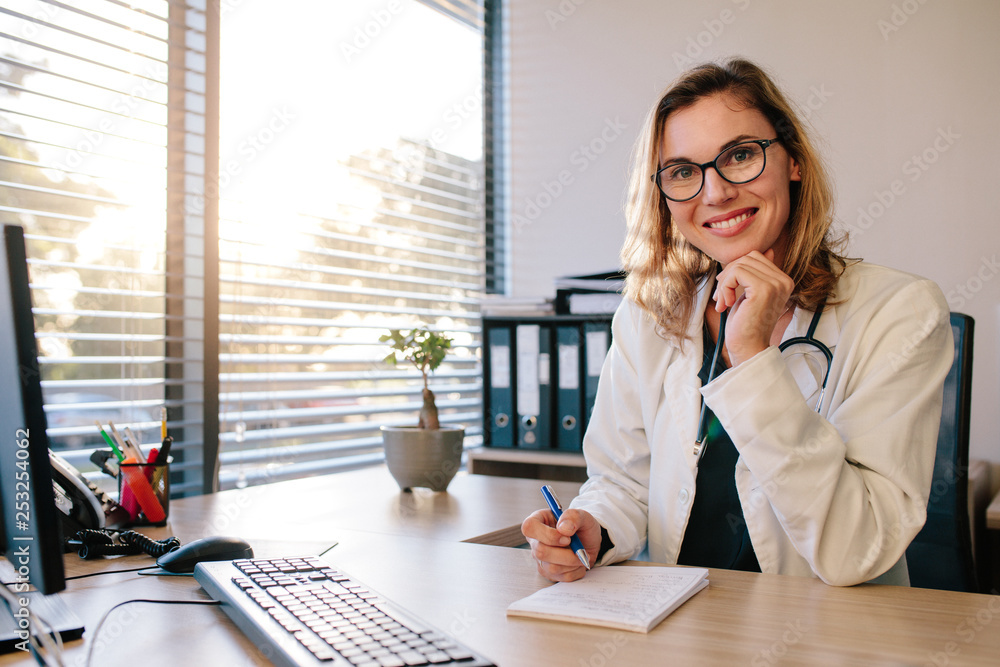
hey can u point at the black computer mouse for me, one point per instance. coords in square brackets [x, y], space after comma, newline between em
[184, 558]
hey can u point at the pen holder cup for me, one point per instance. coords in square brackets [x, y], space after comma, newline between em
[144, 492]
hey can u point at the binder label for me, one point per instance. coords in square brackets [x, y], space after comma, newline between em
[500, 366]
[597, 350]
[569, 367]
[529, 400]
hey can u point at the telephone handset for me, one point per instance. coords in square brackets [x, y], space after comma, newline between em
[82, 504]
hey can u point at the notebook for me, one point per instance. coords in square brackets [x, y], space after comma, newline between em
[626, 598]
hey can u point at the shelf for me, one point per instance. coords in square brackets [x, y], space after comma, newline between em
[529, 463]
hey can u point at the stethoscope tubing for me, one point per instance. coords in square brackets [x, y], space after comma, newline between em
[808, 339]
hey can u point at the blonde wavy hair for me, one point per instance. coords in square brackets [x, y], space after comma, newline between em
[663, 269]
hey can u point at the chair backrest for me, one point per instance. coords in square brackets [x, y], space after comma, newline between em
[941, 554]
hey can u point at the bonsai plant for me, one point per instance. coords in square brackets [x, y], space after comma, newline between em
[425, 350]
[427, 454]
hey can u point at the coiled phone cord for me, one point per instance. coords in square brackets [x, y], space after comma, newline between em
[95, 543]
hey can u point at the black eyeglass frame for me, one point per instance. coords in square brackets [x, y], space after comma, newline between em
[763, 143]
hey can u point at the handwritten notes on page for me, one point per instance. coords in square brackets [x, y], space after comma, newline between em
[634, 598]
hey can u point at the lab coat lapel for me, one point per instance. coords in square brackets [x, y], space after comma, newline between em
[681, 385]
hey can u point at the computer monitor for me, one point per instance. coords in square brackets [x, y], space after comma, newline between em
[29, 524]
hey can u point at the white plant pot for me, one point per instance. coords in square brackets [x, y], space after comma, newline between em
[421, 457]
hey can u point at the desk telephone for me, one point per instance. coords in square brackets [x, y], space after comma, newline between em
[82, 504]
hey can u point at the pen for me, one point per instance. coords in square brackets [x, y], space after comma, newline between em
[163, 423]
[574, 542]
[159, 460]
[163, 456]
[134, 442]
[151, 463]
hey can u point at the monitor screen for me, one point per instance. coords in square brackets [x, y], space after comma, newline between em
[32, 540]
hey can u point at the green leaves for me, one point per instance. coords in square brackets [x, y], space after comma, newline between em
[423, 348]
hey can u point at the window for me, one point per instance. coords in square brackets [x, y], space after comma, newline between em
[351, 203]
[234, 250]
[102, 127]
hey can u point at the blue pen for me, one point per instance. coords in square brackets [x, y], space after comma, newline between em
[574, 542]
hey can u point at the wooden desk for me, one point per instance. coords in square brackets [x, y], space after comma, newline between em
[464, 588]
[476, 508]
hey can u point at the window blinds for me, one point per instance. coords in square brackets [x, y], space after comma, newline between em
[265, 351]
[379, 225]
[102, 123]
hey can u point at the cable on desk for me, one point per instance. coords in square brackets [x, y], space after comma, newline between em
[97, 628]
[97, 574]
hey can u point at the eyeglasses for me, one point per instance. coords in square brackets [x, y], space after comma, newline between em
[681, 181]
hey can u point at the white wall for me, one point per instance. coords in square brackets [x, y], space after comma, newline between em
[884, 83]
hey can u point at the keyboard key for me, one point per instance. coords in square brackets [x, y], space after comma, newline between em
[412, 658]
[459, 654]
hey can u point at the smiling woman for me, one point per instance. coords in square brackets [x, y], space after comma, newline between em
[794, 469]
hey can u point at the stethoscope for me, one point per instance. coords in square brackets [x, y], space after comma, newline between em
[808, 339]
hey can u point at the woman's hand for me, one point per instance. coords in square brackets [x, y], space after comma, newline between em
[550, 542]
[756, 292]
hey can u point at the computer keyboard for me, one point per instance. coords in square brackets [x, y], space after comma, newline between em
[302, 612]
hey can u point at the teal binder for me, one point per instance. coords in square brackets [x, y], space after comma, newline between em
[498, 379]
[596, 341]
[532, 401]
[568, 397]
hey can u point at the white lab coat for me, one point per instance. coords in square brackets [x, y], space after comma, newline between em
[837, 494]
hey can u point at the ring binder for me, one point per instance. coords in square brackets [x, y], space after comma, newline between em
[498, 429]
[597, 340]
[533, 398]
[540, 379]
[569, 430]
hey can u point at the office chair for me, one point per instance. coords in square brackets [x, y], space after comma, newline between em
[940, 556]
